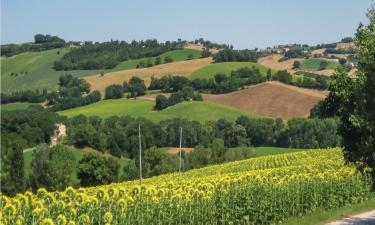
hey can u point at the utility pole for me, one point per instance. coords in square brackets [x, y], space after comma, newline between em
[140, 154]
[179, 169]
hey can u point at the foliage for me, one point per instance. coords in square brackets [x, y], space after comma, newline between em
[108, 55]
[136, 87]
[73, 92]
[33, 125]
[42, 43]
[96, 170]
[264, 190]
[353, 101]
[12, 165]
[229, 55]
[52, 168]
[114, 91]
[161, 102]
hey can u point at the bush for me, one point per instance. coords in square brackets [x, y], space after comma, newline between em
[114, 91]
[161, 102]
[97, 170]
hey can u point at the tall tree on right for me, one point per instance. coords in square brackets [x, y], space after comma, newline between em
[353, 101]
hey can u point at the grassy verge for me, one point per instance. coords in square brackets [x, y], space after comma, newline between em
[321, 217]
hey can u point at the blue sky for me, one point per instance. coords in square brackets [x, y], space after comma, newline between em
[243, 23]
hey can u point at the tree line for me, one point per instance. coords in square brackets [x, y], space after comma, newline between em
[41, 43]
[108, 55]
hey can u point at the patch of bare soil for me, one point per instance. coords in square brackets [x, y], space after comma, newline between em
[182, 68]
[272, 99]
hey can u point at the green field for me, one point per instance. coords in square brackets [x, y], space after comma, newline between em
[39, 67]
[226, 68]
[314, 64]
[176, 55]
[35, 69]
[15, 106]
[199, 111]
[78, 154]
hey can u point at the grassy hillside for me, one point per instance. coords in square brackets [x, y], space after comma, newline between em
[176, 55]
[199, 111]
[226, 68]
[15, 106]
[314, 64]
[34, 71]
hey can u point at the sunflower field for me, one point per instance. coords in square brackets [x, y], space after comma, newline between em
[263, 190]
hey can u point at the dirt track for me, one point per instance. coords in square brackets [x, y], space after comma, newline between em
[183, 68]
[271, 99]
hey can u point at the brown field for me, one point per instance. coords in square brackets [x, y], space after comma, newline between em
[272, 99]
[175, 151]
[182, 68]
[345, 45]
[318, 51]
[272, 62]
[153, 96]
[200, 48]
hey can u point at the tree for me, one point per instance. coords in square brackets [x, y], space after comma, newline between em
[52, 168]
[205, 53]
[157, 61]
[323, 65]
[161, 102]
[130, 170]
[136, 87]
[157, 162]
[83, 135]
[168, 59]
[12, 165]
[97, 170]
[297, 65]
[354, 101]
[218, 150]
[269, 75]
[114, 91]
[190, 57]
[342, 61]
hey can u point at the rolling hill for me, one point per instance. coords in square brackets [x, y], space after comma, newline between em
[272, 99]
[199, 111]
[34, 70]
[175, 55]
[182, 68]
[209, 71]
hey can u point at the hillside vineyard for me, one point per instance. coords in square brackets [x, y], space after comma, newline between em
[264, 190]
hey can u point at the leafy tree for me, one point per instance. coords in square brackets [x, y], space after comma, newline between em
[353, 101]
[97, 170]
[12, 165]
[51, 168]
[323, 65]
[205, 53]
[190, 57]
[269, 75]
[218, 150]
[114, 91]
[158, 162]
[296, 64]
[168, 59]
[131, 171]
[198, 158]
[136, 87]
[161, 102]
[83, 135]
[157, 61]
[342, 61]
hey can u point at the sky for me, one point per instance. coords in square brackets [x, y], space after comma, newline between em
[242, 23]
